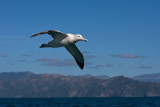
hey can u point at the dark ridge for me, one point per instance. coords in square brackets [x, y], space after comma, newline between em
[28, 84]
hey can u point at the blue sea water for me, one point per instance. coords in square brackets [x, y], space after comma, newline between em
[81, 102]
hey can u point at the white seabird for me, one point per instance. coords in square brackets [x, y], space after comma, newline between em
[65, 40]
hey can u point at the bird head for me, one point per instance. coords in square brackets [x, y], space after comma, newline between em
[80, 38]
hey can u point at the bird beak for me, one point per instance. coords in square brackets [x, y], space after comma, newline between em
[85, 40]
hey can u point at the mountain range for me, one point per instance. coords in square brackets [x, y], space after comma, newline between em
[155, 77]
[31, 85]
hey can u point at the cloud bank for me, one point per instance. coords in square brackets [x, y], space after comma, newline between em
[145, 67]
[126, 56]
[3, 55]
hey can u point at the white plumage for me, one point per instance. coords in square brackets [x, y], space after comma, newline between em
[65, 40]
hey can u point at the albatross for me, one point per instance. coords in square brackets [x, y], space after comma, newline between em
[65, 40]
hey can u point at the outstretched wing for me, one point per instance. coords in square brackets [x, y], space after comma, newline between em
[78, 56]
[55, 34]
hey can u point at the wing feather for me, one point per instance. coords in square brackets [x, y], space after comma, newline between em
[54, 33]
[78, 56]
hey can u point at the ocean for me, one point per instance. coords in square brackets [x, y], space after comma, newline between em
[81, 102]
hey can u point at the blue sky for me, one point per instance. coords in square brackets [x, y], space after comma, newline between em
[124, 36]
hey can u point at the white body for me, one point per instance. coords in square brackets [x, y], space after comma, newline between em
[65, 40]
[62, 42]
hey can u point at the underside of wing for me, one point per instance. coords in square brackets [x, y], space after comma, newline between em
[55, 34]
[78, 56]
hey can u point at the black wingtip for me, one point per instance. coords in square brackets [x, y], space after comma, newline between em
[42, 46]
[81, 65]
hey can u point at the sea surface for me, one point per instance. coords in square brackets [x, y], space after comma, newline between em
[81, 102]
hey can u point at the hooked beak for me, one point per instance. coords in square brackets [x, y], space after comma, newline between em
[85, 40]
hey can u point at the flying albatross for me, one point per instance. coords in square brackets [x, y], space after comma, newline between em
[68, 41]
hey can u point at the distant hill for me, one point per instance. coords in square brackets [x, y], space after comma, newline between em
[98, 76]
[103, 76]
[28, 84]
[155, 77]
[17, 75]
